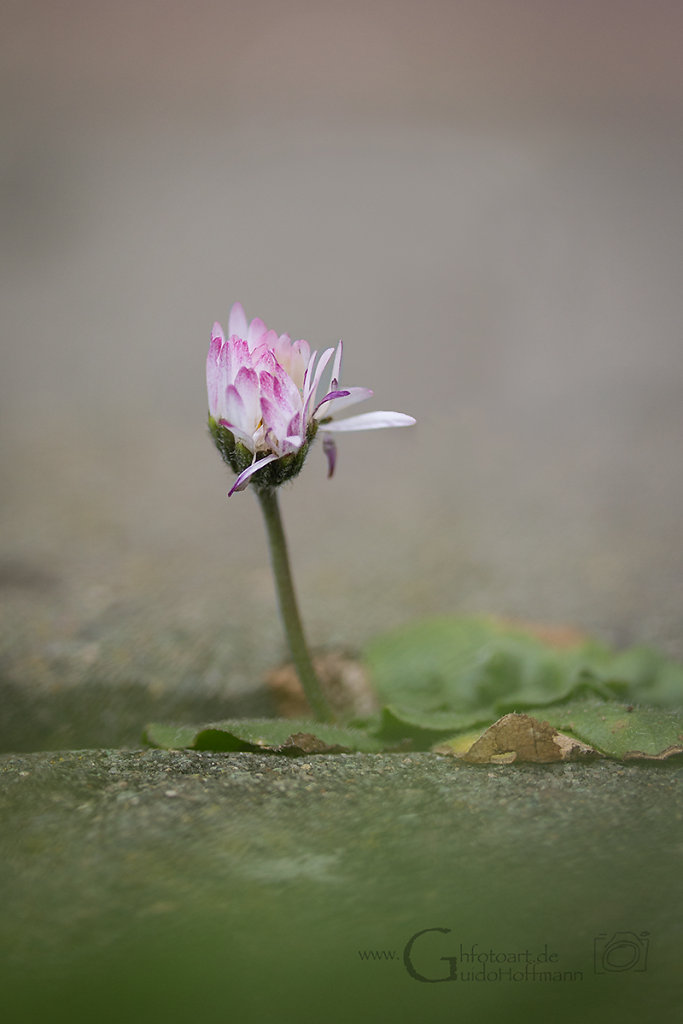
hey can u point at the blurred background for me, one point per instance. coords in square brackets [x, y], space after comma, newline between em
[482, 198]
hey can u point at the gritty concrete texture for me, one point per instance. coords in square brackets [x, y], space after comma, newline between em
[165, 885]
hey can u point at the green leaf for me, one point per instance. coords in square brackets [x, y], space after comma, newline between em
[477, 669]
[469, 666]
[442, 677]
[649, 676]
[295, 737]
[424, 727]
[623, 731]
[169, 737]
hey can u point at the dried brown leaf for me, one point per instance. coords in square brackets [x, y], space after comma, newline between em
[343, 679]
[306, 743]
[517, 737]
[638, 755]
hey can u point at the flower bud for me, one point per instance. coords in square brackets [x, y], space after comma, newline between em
[262, 391]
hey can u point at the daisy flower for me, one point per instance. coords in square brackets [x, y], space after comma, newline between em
[263, 406]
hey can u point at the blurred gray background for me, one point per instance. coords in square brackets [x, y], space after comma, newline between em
[482, 198]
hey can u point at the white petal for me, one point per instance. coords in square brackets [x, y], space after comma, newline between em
[241, 481]
[247, 386]
[307, 377]
[240, 435]
[370, 421]
[215, 381]
[336, 365]
[257, 333]
[237, 324]
[292, 443]
[332, 407]
[313, 385]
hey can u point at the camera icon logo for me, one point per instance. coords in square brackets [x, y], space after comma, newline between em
[620, 952]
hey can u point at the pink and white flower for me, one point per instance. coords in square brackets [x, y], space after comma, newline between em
[262, 400]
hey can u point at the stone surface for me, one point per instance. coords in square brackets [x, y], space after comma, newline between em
[150, 885]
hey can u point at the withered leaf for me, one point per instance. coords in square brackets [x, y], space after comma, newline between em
[343, 679]
[300, 743]
[518, 737]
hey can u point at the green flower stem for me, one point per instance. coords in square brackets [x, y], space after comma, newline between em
[288, 606]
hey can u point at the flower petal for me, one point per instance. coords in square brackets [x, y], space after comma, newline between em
[302, 349]
[247, 386]
[293, 357]
[232, 410]
[257, 333]
[307, 376]
[328, 399]
[242, 480]
[239, 435]
[370, 421]
[312, 385]
[275, 421]
[352, 396]
[214, 376]
[336, 365]
[237, 323]
[292, 443]
[330, 450]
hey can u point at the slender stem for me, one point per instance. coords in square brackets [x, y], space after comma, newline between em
[288, 606]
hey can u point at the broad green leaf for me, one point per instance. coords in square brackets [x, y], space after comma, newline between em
[169, 737]
[424, 726]
[477, 669]
[285, 736]
[473, 665]
[623, 731]
[650, 677]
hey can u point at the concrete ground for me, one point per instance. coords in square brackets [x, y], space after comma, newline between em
[171, 886]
